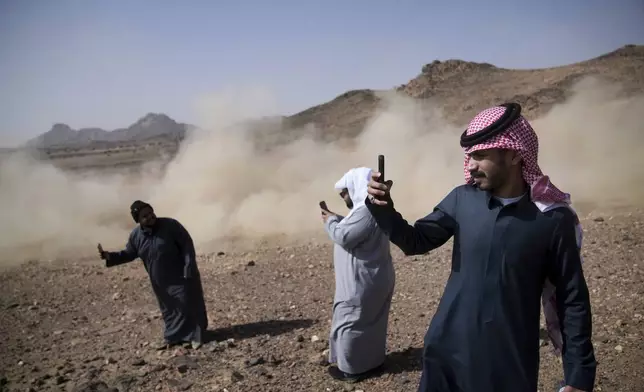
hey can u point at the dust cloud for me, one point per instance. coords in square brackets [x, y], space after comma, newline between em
[220, 186]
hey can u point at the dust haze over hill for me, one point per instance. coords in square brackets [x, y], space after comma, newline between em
[238, 180]
[220, 186]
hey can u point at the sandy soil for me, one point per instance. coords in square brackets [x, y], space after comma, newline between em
[74, 325]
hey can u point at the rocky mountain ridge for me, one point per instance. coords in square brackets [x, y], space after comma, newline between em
[150, 126]
[460, 88]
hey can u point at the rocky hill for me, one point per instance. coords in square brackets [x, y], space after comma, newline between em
[150, 126]
[464, 88]
[461, 88]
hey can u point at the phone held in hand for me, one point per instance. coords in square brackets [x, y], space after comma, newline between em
[381, 168]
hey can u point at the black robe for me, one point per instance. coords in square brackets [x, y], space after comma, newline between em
[485, 333]
[168, 255]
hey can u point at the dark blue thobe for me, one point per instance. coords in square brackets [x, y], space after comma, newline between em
[168, 255]
[485, 333]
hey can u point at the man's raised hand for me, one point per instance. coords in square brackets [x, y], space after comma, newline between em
[326, 215]
[378, 192]
[102, 254]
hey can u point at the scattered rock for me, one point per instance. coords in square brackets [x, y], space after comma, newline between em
[158, 368]
[124, 382]
[255, 361]
[183, 368]
[260, 371]
[138, 362]
[232, 376]
[180, 385]
[318, 359]
[116, 296]
[273, 361]
[315, 338]
[110, 330]
[93, 386]
[251, 263]
[213, 348]
[184, 363]
[599, 219]
[59, 380]
[619, 348]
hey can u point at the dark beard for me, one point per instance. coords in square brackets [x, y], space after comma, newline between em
[349, 204]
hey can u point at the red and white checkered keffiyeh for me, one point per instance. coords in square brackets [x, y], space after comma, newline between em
[521, 137]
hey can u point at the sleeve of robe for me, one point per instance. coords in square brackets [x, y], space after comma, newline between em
[573, 304]
[187, 247]
[425, 234]
[124, 256]
[349, 232]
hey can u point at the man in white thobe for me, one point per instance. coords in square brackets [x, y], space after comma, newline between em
[364, 284]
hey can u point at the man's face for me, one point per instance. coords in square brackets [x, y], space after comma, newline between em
[344, 194]
[491, 169]
[147, 217]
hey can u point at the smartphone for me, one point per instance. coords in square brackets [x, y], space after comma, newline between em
[381, 168]
[323, 205]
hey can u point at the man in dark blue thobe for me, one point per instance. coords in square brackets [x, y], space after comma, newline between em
[168, 255]
[513, 233]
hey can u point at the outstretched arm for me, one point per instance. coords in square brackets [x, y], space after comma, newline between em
[573, 306]
[351, 231]
[426, 234]
[187, 247]
[123, 256]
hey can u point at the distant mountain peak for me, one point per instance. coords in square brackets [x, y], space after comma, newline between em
[60, 127]
[149, 126]
[454, 66]
[153, 119]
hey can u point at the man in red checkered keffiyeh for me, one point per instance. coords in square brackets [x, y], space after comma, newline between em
[520, 137]
[516, 244]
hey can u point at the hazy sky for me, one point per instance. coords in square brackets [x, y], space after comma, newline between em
[107, 63]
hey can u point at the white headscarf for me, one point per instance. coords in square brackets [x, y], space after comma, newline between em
[356, 182]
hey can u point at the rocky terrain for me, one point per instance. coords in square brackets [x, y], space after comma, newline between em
[76, 326]
[73, 325]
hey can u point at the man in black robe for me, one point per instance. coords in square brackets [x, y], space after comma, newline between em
[168, 255]
[513, 232]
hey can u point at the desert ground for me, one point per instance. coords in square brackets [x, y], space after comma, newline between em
[70, 324]
[75, 326]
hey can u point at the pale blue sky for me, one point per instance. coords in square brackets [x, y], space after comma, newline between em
[107, 62]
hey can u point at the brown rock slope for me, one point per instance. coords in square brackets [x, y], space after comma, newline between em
[463, 88]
